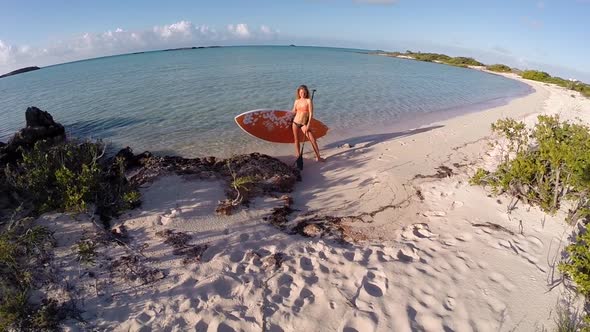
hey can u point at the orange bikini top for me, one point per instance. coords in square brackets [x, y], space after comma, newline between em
[305, 109]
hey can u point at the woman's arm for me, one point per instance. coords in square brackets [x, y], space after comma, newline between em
[294, 103]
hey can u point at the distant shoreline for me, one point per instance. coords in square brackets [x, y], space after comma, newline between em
[20, 71]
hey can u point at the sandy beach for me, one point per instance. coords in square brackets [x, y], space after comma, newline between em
[424, 250]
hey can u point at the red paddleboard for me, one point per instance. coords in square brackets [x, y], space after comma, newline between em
[275, 125]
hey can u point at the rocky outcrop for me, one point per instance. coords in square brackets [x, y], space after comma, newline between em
[268, 174]
[40, 127]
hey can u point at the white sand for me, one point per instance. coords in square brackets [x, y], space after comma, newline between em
[456, 261]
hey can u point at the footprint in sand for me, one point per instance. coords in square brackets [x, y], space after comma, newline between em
[427, 301]
[434, 214]
[145, 317]
[360, 322]
[184, 305]
[306, 296]
[306, 264]
[448, 241]
[375, 283]
[496, 305]
[501, 280]
[226, 287]
[465, 237]
[201, 326]
[353, 256]
[449, 303]
[244, 237]
[285, 280]
[417, 231]
[223, 327]
[456, 205]
[237, 256]
[210, 253]
[275, 328]
[428, 322]
[385, 255]
[408, 255]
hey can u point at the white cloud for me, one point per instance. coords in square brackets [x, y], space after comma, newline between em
[541, 4]
[180, 29]
[239, 30]
[5, 52]
[88, 45]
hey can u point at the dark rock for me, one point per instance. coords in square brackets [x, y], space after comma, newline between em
[40, 127]
[38, 118]
[127, 157]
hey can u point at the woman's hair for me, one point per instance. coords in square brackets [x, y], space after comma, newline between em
[304, 88]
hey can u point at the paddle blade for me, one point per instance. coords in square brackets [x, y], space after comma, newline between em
[299, 162]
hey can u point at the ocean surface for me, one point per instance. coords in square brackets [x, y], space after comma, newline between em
[184, 102]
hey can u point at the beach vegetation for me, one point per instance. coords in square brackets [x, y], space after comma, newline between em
[24, 252]
[569, 317]
[536, 75]
[577, 265]
[543, 165]
[441, 58]
[500, 68]
[86, 252]
[546, 165]
[70, 177]
[542, 76]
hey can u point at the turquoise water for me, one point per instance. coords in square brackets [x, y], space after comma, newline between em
[183, 102]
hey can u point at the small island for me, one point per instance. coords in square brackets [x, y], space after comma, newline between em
[20, 71]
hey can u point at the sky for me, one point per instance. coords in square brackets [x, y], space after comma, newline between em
[549, 35]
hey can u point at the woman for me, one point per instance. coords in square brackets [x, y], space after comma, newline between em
[303, 109]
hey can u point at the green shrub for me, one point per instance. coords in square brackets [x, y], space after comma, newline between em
[86, 252]
[543, 165]
[13, 310]
[48, 316]
[541, 76]
[499, 68]
[478, 178]
[23, 252]
[58, 177]
[577, 266]
[536, 75]
[132, 198]
[69, 177]
[463, 61]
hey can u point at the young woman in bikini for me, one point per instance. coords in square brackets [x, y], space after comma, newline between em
[303, 109]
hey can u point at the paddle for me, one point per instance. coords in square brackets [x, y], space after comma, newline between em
[299, 160]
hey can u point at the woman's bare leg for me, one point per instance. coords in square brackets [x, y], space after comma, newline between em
[314, 144]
